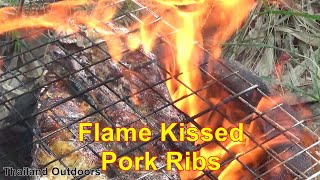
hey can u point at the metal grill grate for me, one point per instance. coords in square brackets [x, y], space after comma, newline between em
[18, 122]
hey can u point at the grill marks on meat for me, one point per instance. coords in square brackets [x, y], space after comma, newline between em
[119, 110]
[62, 142]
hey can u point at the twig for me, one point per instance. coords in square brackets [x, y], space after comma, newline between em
[21, 4]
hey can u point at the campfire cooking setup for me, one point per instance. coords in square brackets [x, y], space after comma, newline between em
[78, 66]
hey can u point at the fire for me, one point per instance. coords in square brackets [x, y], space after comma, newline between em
[225, 16]
[57, 17]
[187, 56]
[191, 17]
[64, 17]
[216, 19]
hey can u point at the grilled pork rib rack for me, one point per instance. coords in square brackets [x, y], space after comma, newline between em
[145, 109]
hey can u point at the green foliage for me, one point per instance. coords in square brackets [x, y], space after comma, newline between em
[272, 30]
[17, 45]
[292, 13]
[128, 6]
[12, 2]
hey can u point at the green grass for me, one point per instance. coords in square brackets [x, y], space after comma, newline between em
[17, 43]
[292, 13]
[12, 2]
[128, 6]
[271, 31]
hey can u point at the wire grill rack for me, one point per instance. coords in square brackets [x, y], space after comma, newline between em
[17, 126]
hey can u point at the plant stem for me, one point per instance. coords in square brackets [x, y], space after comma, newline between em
[20, 7]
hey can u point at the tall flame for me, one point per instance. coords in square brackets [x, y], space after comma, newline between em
[218, 20]
[220, 17]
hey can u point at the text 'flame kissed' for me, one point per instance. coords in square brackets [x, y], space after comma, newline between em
[216, 19]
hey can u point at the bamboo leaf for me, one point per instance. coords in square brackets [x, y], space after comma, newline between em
[303, 36]
[301, 91]
[291, 13]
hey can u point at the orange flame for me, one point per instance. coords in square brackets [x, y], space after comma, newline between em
[218, 19]
[64, 17]
[192, 17]
[224, 17]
